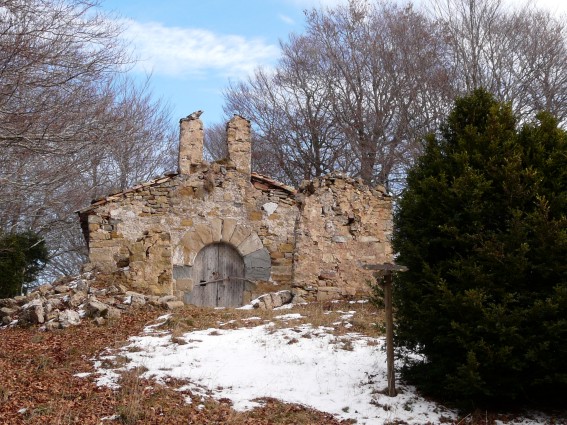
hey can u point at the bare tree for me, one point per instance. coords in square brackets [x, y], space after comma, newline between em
[519, 55]
[388, 82]
[291, 111]
[72, 125]
[352, 94]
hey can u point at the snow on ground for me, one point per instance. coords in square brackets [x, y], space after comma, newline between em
[341, 375]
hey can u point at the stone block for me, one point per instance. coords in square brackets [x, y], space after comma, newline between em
[216, 228]
[186, 222]
[205, 233]
[240, 233]
[100, 256]
[172, 305]
[99, 235]
[228, 226]
[270, 208]
[95, 308]
[328, 293]
[257, 265]
[368, 239]
[255, 215]
[285, 247]
[94, 219]
[251, 244]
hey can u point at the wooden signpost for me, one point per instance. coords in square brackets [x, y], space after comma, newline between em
[386, 271]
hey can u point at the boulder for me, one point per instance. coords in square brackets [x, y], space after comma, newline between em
[112, 313]
[172, 305]
[77, 299]
[135, 299]
[7, 311]
[34, 311]
[61, 289]
[68, 318]
[273, 300]
[54, 304]
[44, 289]
[95, 308]
[167, 298]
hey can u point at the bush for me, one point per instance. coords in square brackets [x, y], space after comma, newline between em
[482, 227]
[22, 257]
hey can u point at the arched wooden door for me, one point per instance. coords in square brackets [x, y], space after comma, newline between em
[218, 276]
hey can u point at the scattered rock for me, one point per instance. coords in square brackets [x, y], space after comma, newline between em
[172, 305]
[77, 299]
[273, 300]
[166, 299]
[61, 289]
[56, 306]
[68, 318]
[35, 311]
[7, 311]
[112, 313]
[95, 308]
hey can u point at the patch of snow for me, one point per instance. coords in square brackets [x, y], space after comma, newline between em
[249, 319]
[285, 307]
[290, 316]
[82, 374]
[249, 363]
[347, 315]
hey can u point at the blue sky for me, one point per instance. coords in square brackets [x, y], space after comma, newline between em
[192, 48]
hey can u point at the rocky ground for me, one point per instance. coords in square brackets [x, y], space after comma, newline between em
[53, 341]
[57, 331]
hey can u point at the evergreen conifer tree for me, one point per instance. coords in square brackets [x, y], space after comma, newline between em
[22, 257]
[482, 227]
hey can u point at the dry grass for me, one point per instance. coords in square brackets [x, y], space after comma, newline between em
[38, 386]
[131, 395]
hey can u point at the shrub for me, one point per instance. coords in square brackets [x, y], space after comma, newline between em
[482, 227]
[22, 257]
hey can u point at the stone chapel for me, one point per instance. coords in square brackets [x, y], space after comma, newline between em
[214, 233]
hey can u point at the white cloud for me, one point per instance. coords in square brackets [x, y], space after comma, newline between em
[175, 51]
[287, 19]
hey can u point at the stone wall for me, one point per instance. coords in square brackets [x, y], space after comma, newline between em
[342, 224]
[154, 231]
[313, 240]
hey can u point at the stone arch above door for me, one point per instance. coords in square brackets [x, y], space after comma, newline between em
[245, 241]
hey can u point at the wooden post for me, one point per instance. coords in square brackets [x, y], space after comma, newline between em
[386, 271]
[391, 371]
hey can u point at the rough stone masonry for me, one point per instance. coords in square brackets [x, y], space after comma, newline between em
[214, 232]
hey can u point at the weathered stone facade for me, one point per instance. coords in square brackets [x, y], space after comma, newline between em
[156, 233]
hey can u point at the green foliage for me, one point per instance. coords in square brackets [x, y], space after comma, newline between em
[22, 257]
[482, 227]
